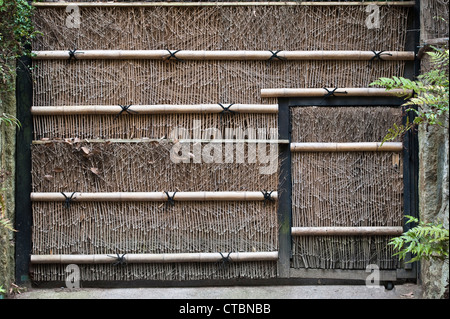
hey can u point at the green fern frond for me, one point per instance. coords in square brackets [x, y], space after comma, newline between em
[430, 99]
[397, 130]
[426, 240]
[9, 120]
[439, 56]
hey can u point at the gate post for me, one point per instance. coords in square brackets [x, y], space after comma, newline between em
[284, 190]
[410, 140]
[23, 215]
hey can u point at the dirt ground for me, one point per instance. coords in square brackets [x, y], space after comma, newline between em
[403, 291]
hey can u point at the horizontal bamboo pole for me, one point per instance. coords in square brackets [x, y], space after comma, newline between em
[150, 196]
[153, 109]
[154, 258]
[344, 231]
[232, 141]
[221, 4]
[347, 147]
[222, 55]
[321, 92]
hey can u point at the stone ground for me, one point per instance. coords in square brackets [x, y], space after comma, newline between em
[400, 291]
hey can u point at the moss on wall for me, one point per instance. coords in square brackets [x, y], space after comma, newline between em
[7, 184]
[434, 159]
[433, 200]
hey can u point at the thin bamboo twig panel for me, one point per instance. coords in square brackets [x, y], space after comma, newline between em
[351, 189]
[221, 28]
[107, 82]
[343, 124]
[166, 271]
[343, 252]
[141, 165]
[156, 127]
[154, 227]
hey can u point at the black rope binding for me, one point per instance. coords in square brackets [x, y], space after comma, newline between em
[275, 56]
[377, 56]
[225, 261]
[68, 200]
[170, 199]
[72, 54]
[173, 55]
[226, 110]
[267, 196]
[125, 108]
[331, 93]
[120, 260]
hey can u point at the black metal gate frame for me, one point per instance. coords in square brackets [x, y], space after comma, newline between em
[410, 180]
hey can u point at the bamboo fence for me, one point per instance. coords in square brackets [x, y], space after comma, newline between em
[206, 54]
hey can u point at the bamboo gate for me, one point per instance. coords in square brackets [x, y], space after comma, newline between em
[138, 84]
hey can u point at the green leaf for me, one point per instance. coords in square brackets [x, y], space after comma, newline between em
[431, 94]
